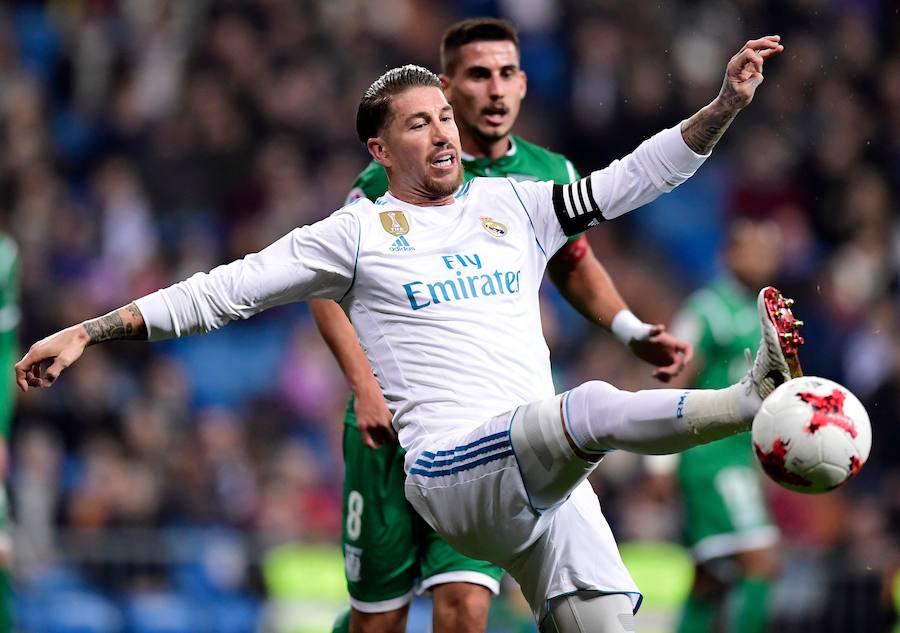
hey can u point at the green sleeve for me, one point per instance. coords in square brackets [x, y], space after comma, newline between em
[372, 183]
[9, 344]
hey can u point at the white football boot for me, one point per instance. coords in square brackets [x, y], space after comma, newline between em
[777, 360]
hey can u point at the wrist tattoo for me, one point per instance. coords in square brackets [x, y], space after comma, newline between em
[703, 130]
[112, 326]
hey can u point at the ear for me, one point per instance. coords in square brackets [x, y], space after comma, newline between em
[524, 83]
[445, 85]
[379, 151]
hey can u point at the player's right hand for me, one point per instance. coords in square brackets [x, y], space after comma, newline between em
[60, 350]
[373, 418]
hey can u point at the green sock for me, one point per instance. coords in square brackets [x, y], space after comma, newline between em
[697, 615]
[6, 601]
[746, 607]
[342, 624]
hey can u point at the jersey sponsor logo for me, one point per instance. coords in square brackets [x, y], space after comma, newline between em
[494, 228]
[394, 222]
[401, 245]
[422, 294]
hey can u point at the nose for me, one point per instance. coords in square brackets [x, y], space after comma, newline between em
[441, 134]
[495, 86]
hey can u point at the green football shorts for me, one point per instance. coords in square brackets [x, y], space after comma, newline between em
[390, 553]
[724, 505]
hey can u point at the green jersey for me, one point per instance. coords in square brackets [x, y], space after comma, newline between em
[9, 322]
[721, 321]
[523, 161]
[724, 506]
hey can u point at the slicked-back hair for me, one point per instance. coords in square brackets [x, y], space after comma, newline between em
[474, 30]
[375, 106]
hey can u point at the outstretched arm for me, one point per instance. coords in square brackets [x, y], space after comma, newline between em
[312, 261]
[373, 418]
[65, 347]
[663, 161]
[586, 285]
[743, 74]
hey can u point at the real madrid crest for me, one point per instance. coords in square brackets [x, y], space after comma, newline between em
[496, 229]
[394, 222]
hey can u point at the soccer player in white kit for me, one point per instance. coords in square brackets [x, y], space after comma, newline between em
[441, 283]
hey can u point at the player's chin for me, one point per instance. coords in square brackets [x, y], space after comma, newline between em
[445, 184]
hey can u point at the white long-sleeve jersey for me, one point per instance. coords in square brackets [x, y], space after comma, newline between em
[444, 299]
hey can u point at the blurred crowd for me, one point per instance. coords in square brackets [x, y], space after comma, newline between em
[145, 140]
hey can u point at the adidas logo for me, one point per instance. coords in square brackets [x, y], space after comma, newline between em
[401, 245]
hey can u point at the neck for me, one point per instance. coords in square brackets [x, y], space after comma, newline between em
[418, 197]
[480, 147]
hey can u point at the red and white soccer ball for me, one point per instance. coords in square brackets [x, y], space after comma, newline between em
[811, 435]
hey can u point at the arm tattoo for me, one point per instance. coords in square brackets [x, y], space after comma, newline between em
[124, 323]
[703, 130]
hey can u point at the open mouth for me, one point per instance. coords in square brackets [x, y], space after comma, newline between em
[444, 160]
[495, 115]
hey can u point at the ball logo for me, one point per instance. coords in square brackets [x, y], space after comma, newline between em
[827, 410]
[394, 222]
[494, 228]
[773, 462]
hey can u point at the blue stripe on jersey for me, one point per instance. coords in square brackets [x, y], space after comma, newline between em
[464, 456]
[465, 447]
[355, 260]
[463, 190]
[461, 467]
[533, 230]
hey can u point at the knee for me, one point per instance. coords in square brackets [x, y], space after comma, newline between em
[461, 608]
[762, 563]
[386, 622]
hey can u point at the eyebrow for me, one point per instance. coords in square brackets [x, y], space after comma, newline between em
[424, 115]
[478, 67]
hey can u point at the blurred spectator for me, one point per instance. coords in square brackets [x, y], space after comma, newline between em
[147, 140]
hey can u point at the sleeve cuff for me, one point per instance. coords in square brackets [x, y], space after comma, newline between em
[157, 314]
[677, 153]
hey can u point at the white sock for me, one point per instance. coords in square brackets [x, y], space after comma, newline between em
[600, 417]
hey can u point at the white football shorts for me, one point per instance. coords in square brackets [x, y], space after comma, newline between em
[468, 487]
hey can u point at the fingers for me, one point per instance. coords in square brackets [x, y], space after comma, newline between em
[770, 45]
[368, 438]
[375, 433]
[687, 350]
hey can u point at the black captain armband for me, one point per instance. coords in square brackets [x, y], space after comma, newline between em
[575, 206]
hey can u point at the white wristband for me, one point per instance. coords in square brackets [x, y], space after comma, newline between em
[625, 326]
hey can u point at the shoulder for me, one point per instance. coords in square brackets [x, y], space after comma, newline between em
[548, 165]
[371, 183]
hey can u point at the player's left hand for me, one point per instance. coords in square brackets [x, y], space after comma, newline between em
[744, 72]
[670, 355]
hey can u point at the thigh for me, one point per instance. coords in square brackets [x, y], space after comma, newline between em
[440, 564]
[577, 552]
[379, 535]
[469, 489]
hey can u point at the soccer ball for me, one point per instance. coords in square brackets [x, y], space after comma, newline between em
[811, 435]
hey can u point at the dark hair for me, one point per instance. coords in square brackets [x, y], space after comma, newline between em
[374, 107]
[473, 30]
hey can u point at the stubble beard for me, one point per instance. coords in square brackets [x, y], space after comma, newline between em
[442, 188]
